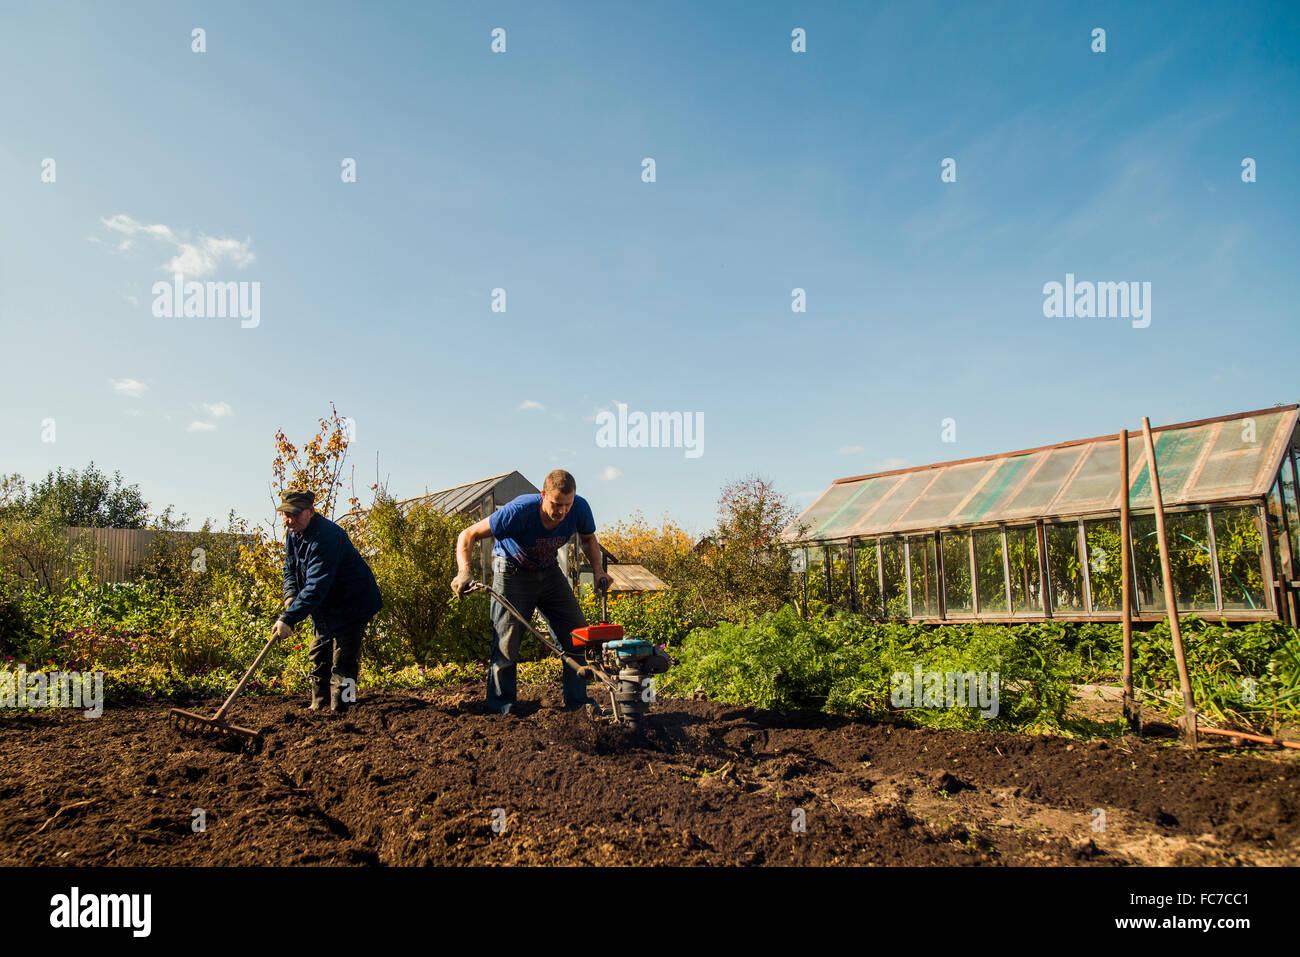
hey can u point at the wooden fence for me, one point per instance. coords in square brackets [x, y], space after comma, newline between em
[118, 552]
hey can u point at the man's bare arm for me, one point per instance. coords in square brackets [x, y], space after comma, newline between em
[468, 539]
[591, 548]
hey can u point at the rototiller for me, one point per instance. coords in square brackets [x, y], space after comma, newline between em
[625, 666]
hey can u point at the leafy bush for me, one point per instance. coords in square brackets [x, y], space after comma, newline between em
[655, 616]
[1237, 675]
[413, 555]
[846, 664]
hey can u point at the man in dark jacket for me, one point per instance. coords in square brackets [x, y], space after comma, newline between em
[325, 577]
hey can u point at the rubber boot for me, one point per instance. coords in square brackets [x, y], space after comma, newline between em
[319, 698]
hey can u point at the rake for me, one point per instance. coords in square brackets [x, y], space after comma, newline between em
[191, 723]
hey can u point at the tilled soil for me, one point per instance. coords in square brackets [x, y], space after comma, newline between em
[430, 778]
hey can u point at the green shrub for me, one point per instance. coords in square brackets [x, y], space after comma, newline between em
[412, 552]
[1237, 675]
[655, 616]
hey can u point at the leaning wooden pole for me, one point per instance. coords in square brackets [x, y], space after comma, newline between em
[1171, 607]
[1132, 714]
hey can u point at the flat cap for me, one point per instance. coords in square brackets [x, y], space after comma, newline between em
[295, 500]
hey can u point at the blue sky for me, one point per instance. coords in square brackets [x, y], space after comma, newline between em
[522, 170]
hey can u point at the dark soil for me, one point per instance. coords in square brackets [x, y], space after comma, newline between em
[416, 779]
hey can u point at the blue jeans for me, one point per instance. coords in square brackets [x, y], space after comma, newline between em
[545, 590]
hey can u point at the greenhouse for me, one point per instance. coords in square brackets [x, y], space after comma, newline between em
[1035, 534]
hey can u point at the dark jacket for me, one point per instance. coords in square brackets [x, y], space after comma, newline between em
[330, 579]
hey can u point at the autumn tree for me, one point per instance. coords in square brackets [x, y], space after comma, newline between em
[663, 549]
[747, 562]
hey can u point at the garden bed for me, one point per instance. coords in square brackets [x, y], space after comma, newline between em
[414, 778]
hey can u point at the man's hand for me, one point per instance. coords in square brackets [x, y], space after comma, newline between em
[603, 581]
[289, 600]
[281, 630]
[460, 584]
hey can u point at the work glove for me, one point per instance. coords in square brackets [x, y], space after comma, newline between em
[460, 584]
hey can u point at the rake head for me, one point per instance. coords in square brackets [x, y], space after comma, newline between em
[187, 722]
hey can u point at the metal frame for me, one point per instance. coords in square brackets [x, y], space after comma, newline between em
[1214, 560]
[907, 575]
[880, 576]
[1085, 566]
[1006, 569]
[853, 575]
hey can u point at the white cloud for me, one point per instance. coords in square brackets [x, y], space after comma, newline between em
[202, 259]
[194, 259]
[851, 449]
[888, 465]
[123, 223]
[128, 387]
[611, 473]
[200, 427]
[529, 404]
[218, 410]
[599, 409]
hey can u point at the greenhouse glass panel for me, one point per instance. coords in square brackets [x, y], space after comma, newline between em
[925, 577]
[957, 594]
[868, 589]
[1022, 555]
[943, 496]
[1046, 483]
[1064, 576]
[910, 487]
[1176, 453]
[831, 503]
[1190, 560]
[1147, 578]
[1238, 454]
[990, 500]
[895, 578]
[1097, 481]
[1105, 564]
[817, 601]
[1241, 558]
[1288, 496]
[1276, 523]
[991, 576]
[842, 507]
[841, 586]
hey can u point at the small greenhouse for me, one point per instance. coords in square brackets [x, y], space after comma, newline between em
[1035, 534]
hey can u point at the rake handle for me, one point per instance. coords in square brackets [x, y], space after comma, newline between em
[244, 680]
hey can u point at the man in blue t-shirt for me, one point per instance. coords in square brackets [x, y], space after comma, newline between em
[529, 531]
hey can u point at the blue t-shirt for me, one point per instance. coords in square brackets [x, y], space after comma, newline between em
[522, 538]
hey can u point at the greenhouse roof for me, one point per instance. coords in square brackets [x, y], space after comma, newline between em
[1211, 460]
[461, 498]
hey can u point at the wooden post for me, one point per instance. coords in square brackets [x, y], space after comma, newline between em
[1132, 713]
[1171, 607]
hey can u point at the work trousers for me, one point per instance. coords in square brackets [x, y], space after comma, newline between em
[545, 590]
[335, 659]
